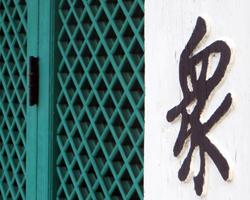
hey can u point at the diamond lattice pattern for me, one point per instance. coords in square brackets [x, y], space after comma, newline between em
[13, 66]
[101, 103]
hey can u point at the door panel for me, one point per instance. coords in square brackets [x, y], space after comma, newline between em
[13, 92]
[101, 100]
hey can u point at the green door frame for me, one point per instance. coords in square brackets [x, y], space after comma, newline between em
[31, 143]
[41, 138]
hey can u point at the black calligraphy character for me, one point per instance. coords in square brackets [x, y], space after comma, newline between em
[201, 89]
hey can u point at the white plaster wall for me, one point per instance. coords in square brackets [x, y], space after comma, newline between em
[168, 27]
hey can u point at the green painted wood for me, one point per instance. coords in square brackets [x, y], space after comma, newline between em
[13, 96]
[101, 101]
[32, 111]
[47, 116]
[85, 137]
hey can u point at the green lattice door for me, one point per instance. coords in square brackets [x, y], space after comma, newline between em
[101, 101]
[85, 138]
[13, 96]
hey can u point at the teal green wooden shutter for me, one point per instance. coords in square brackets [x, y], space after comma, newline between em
[101, 102]
[13, 92]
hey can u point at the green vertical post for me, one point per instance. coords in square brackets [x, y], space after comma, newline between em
[47, 153]
[32, 50]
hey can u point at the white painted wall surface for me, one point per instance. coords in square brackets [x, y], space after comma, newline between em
[168, 27]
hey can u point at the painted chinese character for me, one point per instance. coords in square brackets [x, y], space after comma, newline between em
[196, 90]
